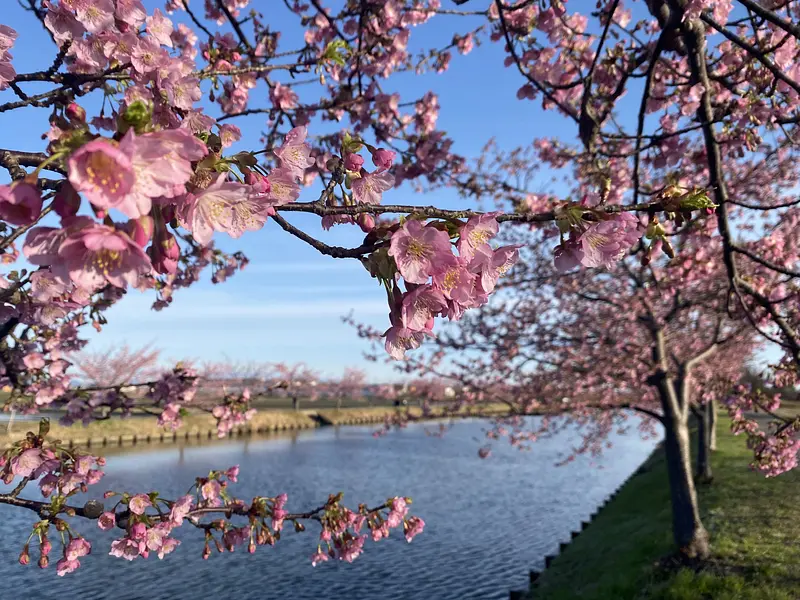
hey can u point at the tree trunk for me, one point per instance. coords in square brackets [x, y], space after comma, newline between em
[687, 528]
[295, 403]
[338, 403]
[704, 474]
[712, 426]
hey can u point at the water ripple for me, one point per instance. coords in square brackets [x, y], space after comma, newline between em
[488, 522]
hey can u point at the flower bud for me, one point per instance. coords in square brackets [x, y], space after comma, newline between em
[138, 114]
[45, 546]
[43, 562]
[67, 202]
[353, 162]
[366, 222]
[24, 556]
[251, 548]
[382, 158]
[76, 113]
[141, 230]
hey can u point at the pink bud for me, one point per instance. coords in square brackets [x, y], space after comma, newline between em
[67, 201]
[76, 113]
[252, 547]
[236, 56]
[141, 230]
[366, 222]
[99, 212]
[43, 562]
[383, 159]
[164, 253]
[24, 557]
[353, 162]
[46, 546]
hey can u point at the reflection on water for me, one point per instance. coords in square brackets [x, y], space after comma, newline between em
[488, 521]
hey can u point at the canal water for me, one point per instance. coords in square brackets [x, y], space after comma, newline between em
[488, 521]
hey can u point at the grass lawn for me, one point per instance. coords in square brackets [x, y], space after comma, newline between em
[754, 524]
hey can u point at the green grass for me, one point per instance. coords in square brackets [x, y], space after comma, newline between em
[754, 524]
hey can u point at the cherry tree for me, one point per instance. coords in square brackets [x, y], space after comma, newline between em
[118, 366]
[349, 386]
[136, 177]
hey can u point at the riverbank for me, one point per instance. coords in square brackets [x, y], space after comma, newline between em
[754, 523]
[199, 426]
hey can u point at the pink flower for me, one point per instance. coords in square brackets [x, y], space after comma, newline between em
[476, 234]
[107, 520]
[210, 491]
[353, 162]
[7, 71]
[493, 264]
[383, 159]
[125, 548]
[20, 203]
[225, 206]
[608, 241]
[369, 188]
[160, 28]
[61, 22]
[139, 503]
[27, 462]
[95, 16]
[400, 339]
[282, 97]
[295, 153]
[420, 306]
[131, 12]
[455, 281]
[418, 249]
[162, 163]
[413, 528]
[232, 473]
[351, 548]
[154, 537]
[98, 254]
[167, 546]
[76, 548]
[567, 255]
[148, 57]
[316, 558]
[228, 134]
[65, 566]
[102, 171]
[179, 510]
[283, 187]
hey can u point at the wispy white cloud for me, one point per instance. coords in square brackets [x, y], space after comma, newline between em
[323, 265]
[221, 306]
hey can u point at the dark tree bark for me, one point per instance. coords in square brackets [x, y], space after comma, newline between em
[703, 416]
[688, 531]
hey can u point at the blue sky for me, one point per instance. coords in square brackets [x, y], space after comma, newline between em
[287, 304]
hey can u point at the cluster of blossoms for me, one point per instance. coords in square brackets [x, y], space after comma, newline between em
[232, 412]
[775, 451]
[7, 71]
[148, 521]
[341, 528]
[438, 282]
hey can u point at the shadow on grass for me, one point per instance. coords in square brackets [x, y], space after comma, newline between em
[754, 523]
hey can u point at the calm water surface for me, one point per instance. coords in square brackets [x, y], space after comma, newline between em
[488, 521]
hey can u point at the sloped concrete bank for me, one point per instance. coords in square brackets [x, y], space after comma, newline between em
[549, 559]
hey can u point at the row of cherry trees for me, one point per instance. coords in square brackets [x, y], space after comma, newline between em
[131, 197]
